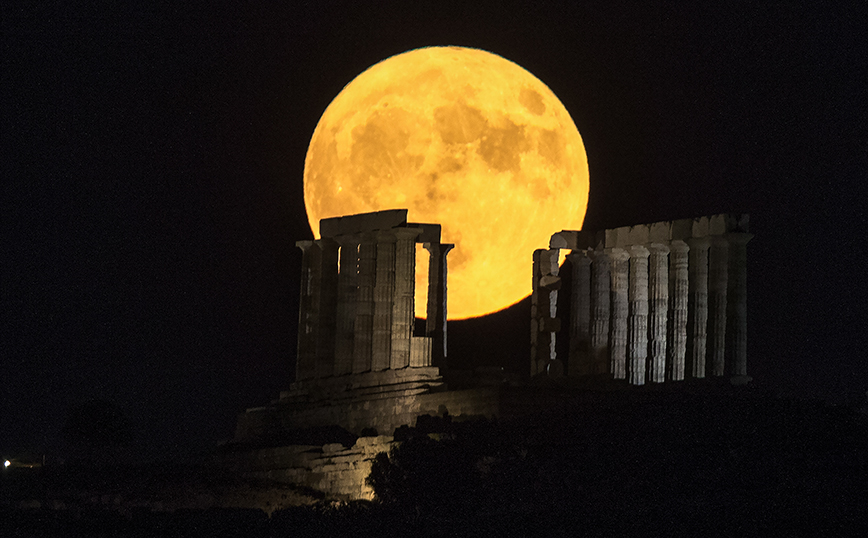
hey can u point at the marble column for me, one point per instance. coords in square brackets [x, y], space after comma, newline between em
[619, 270]
[364, 326]
[384, 293]
[658, 303]
[348, 273]
[580, 362]
[403, 305]
[435, 324]
[736, 322]
[718, 263]
[544, 299]
[697, 305]
[325, 341]
[637, 344]
[678, 299]
[600, 300]
[308, 319]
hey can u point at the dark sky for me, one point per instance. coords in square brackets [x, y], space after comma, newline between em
[152, 165]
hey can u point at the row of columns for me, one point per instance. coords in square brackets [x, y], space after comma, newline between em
[357, 307]
[651, 312]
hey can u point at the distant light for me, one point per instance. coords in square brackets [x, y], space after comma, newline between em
[7, 463]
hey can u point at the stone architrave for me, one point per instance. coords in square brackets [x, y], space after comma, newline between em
[348, 272]
[736, 323]
[308, 319]
[435, 325]
[637, 344]
[620, 271]
[600, 311]
[658, 303]
[403, 308]
[325, 342]
[364, 325]
[678, 293]
[580, 362]
[697, 305]
[718, 262]
[384, 293]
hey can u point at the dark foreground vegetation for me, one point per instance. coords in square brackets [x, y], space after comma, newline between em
[723, 463]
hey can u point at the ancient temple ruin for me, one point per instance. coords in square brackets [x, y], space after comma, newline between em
[649, 303]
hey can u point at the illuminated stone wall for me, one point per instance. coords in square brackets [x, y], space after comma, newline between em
[649, 303]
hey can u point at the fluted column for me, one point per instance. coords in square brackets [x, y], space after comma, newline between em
[637, 344]
[658, 303]
[403, 308]
[435, 325]
[620, 270]
[697, 305]
[580, 362]
[308, 305]
[544, 300]
[348, 271]
[678, 299]
[736, 323]
[601, 283]
[364, 326]
[384, 293]
[718, 262]
[325, 341]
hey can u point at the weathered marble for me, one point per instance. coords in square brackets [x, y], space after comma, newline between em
[403, 300]
[348, 282]
[600, 311]
[736, 322]
[697, 308]
[364, 325]
[637, 343]
[620, 271]
[658, 305]
[718, 264]
[678, 301]
[580, 362]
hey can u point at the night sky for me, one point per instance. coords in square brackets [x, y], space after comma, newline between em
[152, 165]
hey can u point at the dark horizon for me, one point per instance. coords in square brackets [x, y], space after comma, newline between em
[153, 167]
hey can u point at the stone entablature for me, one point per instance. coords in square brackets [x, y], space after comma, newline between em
[649, 303]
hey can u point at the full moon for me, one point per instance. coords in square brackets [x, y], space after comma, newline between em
[463, 138]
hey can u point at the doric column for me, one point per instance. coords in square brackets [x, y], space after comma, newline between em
[658, 303]
[384, 293]
[364, 326]
[325, 341]
[580, 362]
[620, 270]
[435, 325]
[543, 308]
[308, 305]
[403, 309]
[637, 344]
[348, 272]
[718, 262]
[697, 305]
[601, 283]
[736, 304]
[678, 293]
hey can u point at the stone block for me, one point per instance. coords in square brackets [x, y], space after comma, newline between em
[660, 232]
[363, 222]
[717, 224]
[700, 227]
[681, 229]
[638, 235]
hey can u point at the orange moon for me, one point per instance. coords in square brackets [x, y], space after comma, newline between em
[460, 137]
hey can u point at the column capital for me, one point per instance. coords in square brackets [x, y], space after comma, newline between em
[657, 248]
[638, 251]
[406, 233]
[698, 243]
[738, 238]
[579, 256]
[679, 246]
[617, 254]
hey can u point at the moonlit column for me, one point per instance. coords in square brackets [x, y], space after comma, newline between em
[736, 326]
[435, 325]
[580, 315]
[637, 345]
[600, 299]
[384, 292]
[364, 326]
[697, 305]
[544, 300]
[620, 270]
[678, 298]
[658, 297]
[717, 285]
[403, 310]
[325, 341]
[348, 271]
[305, 362]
